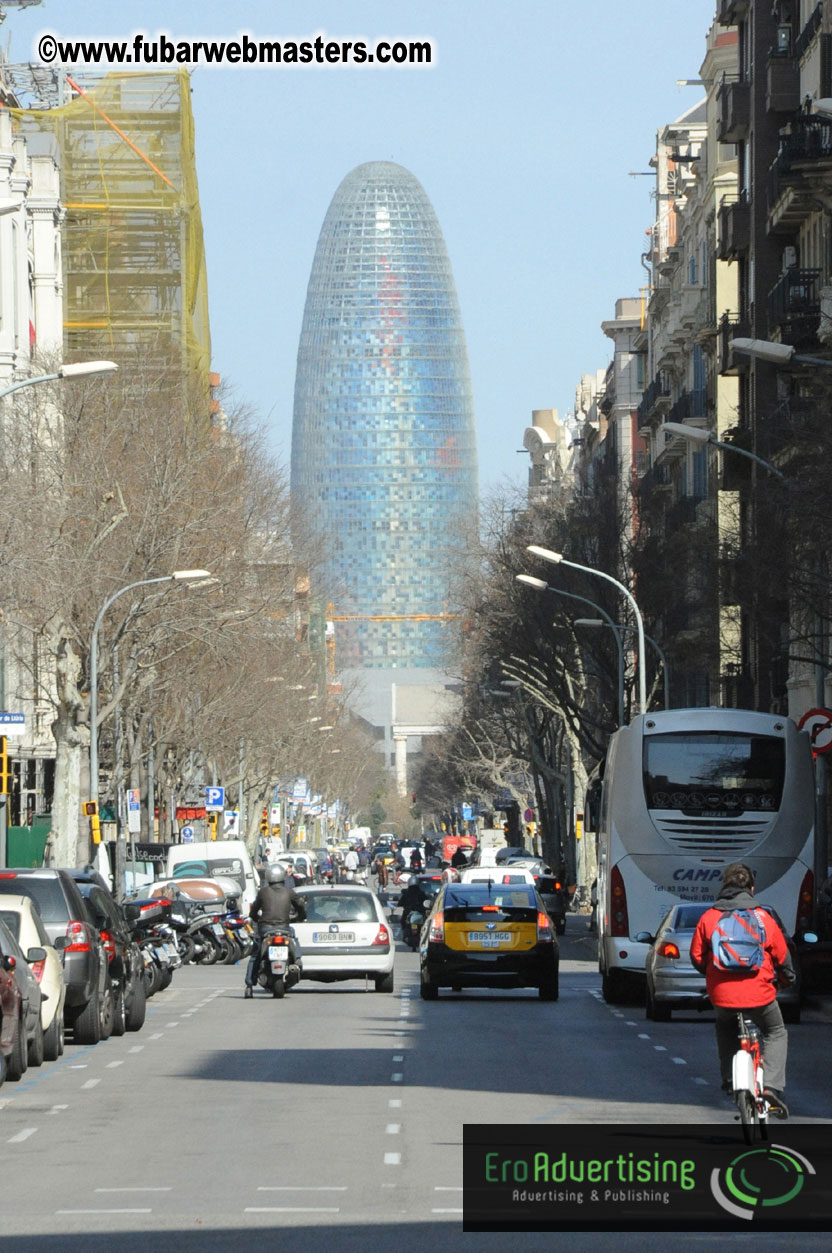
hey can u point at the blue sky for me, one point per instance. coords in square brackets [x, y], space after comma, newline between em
[523, 134]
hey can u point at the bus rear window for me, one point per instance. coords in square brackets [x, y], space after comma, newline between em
[700, 772]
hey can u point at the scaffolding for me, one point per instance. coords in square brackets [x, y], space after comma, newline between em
[135, 285]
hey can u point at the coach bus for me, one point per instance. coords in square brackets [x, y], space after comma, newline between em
[686, 792]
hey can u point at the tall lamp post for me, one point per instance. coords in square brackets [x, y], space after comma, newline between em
[190, 576]
[781, 354]
[660, 653]
[541, 585]
[79, 369]
[557, 559]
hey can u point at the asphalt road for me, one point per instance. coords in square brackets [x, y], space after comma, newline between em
[334, 1117]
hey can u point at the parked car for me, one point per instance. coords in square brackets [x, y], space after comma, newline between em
[346, 935]
[88, 1007]
[29, 991]
[124, 957]
[673, 983]
[13, 1059]
[484, 935]
[23, 920]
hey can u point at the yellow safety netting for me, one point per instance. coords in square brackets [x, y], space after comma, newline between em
[135, 284]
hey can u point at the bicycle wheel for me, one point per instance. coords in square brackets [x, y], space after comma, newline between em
[748, 1116]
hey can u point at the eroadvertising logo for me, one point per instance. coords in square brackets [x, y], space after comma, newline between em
[644, 1177]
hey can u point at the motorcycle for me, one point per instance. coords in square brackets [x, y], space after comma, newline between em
[412, 925]
[279, 969]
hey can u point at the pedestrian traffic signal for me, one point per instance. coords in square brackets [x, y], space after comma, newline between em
[90, 810]
[264, 826]
[5, 769]
[212, 825]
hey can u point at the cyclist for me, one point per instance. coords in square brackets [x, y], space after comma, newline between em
[750, 991]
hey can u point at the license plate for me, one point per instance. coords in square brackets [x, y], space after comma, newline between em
[333, 937]
[489, 939]
[278, 952]
[217, 929]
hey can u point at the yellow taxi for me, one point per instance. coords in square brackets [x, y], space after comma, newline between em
[488, 935]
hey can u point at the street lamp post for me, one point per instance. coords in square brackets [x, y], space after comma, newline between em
[557, 559]
[77, 370]
[696, 435]
[625, 626]
[541, 585]
[177, 576]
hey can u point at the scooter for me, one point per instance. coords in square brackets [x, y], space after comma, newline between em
[412, 925]
[279, 968]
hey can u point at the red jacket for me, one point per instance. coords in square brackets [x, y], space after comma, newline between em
[735, 989]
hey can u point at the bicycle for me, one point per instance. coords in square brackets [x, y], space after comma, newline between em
[747, 1087]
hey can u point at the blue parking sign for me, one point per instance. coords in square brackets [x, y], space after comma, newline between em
[215, 798]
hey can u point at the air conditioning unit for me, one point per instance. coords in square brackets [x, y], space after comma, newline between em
[789, 260]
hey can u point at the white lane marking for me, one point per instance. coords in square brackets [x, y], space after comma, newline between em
[157, 1036]
[398, 1057]
[131, 1189]
[289, 1188]
[660, 1048]
[446, 1211]
[616, 1013]
[171, 1024]
[392, 1159]
[393, 1128]
[679, 1061]
[291, 1209]
[56, 1109]
[394, 1104]
[137, 1048]
[22, 1135]
[443, 1188]
[103, 1211]
[642, 1035]
[79, 1066]
[630, 1023]
[396, 1078]
[112, 1065]
[91, 1083]
[702, 1081]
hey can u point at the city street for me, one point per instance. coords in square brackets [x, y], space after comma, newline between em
[313, 1119]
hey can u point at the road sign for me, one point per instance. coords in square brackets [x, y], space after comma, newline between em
[12, 724]
[818, 722]
[186, 835]
[528, 815]
[231, 822]
[134, 811]
[215, 798]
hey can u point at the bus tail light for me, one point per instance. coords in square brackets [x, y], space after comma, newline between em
[619, 922]
[805, 903]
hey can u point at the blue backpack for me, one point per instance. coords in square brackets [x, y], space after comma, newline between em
[737, 942]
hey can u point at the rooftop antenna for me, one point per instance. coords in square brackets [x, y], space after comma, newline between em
[15, 4]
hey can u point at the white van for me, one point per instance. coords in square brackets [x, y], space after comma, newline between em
[214, 858]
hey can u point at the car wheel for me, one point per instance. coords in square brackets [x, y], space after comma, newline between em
[86, 1023]
[18, 1060]
[107, 1012]
[427, 990]
[613, 987]
[655, 1010]
[119, 1013]
[384, 983]
[52, 1039]
[138, 1007]
[35, 1054]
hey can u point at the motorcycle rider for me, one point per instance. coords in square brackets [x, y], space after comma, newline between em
[411, 899]
[272, 909]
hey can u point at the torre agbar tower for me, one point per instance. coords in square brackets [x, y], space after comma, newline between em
[383, 446]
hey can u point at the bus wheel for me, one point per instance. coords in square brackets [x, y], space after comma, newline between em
[613, 987]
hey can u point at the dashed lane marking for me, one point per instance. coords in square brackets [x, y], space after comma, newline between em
[393, 1128]
[90, 1083]
[56, 1109]
[103, 1211]
[22, 1135]
[392, 1159]
[678, 1061]
[291, 1209]
[394, 1104]
[397, 1077]
[133, 1189]
[287, 1187]
[137, 1048]
[112, 1065]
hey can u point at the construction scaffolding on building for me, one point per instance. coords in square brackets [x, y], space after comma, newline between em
[135, 288]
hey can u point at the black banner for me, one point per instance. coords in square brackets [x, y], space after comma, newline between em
[646, 1177]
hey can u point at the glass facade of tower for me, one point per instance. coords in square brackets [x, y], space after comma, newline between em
[383, 443]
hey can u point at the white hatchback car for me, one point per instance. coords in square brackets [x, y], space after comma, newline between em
[346, 935]
[23, 920]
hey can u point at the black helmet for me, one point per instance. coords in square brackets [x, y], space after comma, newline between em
[276, 874]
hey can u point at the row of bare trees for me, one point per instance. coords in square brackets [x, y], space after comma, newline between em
[109, 482]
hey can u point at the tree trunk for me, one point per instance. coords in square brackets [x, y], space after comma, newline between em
[69, 844]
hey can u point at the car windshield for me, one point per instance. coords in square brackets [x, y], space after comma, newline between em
[45, 893]
[339, 907]
[12, 921]
[475, 895]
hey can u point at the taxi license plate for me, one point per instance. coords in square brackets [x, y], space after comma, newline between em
[278, 952]
[333, 937]
[489, 939]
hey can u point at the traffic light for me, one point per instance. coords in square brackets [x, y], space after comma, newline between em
[264, 824]
[212, 824]
[90, 810]
[5, 769]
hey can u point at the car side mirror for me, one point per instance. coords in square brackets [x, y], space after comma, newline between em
[644, 937]
[62, 942]
[36, 955]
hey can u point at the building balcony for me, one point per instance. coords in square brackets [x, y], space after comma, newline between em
[794, 306]
[733, 110]
[802, 167]
[729, 12]
[689, 405]
[782, 84]
[731, 327]
[809, 32]
[679, 515]
[734, 229]
[655, 402]
[656, 482]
